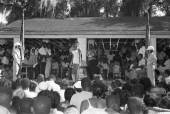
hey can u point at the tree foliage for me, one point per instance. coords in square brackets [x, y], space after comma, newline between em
[82, 8]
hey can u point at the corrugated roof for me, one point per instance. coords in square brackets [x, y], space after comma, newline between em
[86, 25]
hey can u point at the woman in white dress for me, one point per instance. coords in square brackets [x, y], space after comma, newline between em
[48, 61]
[17, 60]
[151, 65]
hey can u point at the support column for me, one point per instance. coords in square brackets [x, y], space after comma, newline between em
[83, 47]
[153, 43]
[14, 64]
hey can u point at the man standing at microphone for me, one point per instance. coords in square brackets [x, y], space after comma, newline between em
[76, 61]
[151, 64]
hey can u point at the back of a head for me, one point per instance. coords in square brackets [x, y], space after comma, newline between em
[52, 78]
[138, 90]
[69, 92]
[146, 82]
[85, 83]
[113, 101]
[127, 86]
[25, 105]
[25, 83]
[48, 94]
[135, 105]
[40, 78]
[98, 89]
[42, 105]
[118, 83]
[5, 96]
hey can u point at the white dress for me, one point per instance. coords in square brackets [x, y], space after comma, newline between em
[151, 65]
[16, 62]
[48, 64]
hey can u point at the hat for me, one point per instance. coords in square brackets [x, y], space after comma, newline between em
[42, 86]
[150, 48]
[17, 44]
[77, 84]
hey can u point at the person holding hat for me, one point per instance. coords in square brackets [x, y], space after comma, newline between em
[151, 64]
[17, 59]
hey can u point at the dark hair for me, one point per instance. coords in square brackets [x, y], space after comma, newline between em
[98, 89]
[150, 102]
[165, 103]
[69, 92]
[32, 86]
[85, 82]
[56, 96]
[127, 86]
[134, 81]
[141, 55]
[48, 94]
[25, 83]
[146, 82]
[70, 106]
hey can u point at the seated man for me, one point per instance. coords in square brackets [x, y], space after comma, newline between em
[139, 70]
[27, 62]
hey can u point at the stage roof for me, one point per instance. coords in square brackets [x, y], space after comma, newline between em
[97, 25]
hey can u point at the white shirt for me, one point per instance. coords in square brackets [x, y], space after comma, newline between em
[76, 57]
[5, 60]
[79, 97]
[17, 56]
[48, 51]
[142, 51]
[94, 111]
[54, 86]
[167, 80]
[55, 111]
[29, 94]
[4, 110]
[42, 51]
[61, 92]
[142, 62]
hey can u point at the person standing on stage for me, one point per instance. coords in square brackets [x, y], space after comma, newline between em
[42, 58]
[91, 60]
[76, 61]
[151, 64]
[17, 59]
[48, 61]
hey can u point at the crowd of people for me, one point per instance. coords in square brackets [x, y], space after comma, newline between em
[140, 81]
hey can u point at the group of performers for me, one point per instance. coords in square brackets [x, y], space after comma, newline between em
[43, 65]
